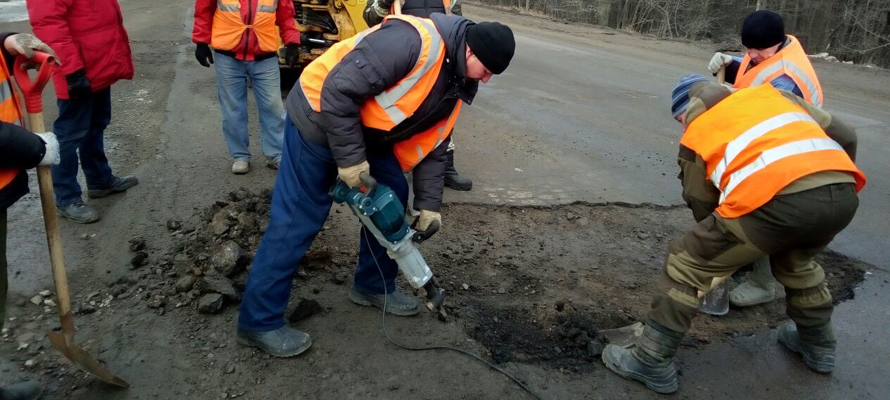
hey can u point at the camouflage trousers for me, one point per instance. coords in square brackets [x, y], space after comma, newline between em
[791, 229]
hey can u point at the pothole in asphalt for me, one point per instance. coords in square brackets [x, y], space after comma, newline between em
[530, 284]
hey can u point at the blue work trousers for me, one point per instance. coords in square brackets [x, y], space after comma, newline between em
[231, 84]
[300, 206]
[80, 129]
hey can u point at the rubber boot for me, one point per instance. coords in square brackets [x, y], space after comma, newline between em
[758, 289]
[650, 360]
[452, 178]
[815, 344]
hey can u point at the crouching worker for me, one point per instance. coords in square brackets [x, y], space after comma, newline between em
[766, 174]
[382, 102]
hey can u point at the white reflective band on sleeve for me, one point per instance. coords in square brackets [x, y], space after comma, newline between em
[772, 155]
[387, 100]
[227, 7]
[735, 147]
[772, 69]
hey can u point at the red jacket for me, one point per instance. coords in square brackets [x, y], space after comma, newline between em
[85, 34]
[284, 18]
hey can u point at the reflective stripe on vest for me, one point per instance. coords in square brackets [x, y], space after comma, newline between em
[395, 101]
[791, 61]
[388, 109]
[756, 142]
[10, 112]
[229, 27]
[400, 101]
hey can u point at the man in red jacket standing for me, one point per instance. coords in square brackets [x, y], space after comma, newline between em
[243, 35]
[92, 45]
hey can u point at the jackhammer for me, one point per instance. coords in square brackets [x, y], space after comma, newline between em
[380, 211]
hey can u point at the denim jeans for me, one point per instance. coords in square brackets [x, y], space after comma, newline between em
[300, 206]
[80, 129]
[231, 82]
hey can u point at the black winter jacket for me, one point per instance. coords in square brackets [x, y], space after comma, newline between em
[377, 63]
[21, 150]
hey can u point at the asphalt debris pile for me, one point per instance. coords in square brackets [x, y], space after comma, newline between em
[206, 267]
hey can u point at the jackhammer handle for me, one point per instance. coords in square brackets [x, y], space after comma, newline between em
[421, 236]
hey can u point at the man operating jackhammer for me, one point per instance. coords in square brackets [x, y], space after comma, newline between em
[774, 57]
[765, 174]
[381, 103]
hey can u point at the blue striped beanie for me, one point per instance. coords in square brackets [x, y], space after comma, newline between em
[680, 95]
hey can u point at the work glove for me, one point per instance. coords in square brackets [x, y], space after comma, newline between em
[204, 54]
[426, 219]
[292, 54]
[718, 61]
[26, 44]
[78, 84]
[51, 157]
[352, 175]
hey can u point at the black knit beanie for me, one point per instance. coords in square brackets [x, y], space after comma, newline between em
[763, 29]
[493, 45]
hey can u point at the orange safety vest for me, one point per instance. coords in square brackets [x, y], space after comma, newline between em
[10, 112]
[229, 27]
[445, 4]
[791, 61]
[388, 109]
[755, 142]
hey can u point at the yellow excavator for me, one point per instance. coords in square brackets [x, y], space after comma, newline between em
[324, 22]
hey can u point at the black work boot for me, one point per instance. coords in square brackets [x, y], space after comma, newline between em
[815, 344]
[27, 390]
[649, 360]
[281, 342]
[452, 178]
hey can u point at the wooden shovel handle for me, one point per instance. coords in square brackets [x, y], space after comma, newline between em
[53, 236]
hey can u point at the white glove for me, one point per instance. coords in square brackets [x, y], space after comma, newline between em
[352, 175]
[718, 61]
[426, 219]
[52, 156]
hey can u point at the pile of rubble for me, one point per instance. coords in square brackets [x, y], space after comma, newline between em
[208, 262]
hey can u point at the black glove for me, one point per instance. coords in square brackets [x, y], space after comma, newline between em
[292, 54]
[78, 84]
[388, 2]
[204, 54]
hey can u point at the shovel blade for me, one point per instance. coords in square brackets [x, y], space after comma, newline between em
[83, 360]
[716, 301]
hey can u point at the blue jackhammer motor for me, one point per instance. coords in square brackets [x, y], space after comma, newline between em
[380, 211]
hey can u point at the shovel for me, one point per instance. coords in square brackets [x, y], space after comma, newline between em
[64, 341]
